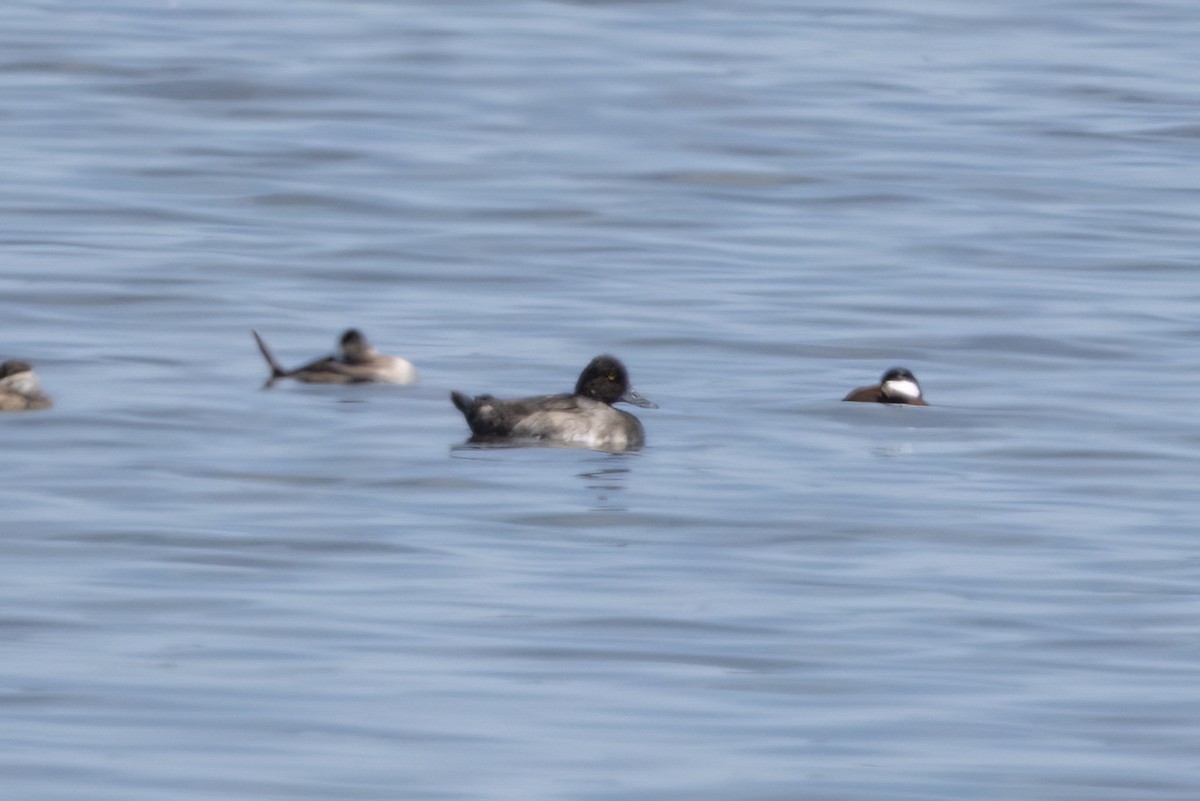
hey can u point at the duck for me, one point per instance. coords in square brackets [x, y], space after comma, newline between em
[584, 418]
[357, 362]
[898, 386]
[20, 388]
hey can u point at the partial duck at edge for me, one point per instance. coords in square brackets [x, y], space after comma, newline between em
[21, 388]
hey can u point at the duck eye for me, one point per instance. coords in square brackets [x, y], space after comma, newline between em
[612, 377]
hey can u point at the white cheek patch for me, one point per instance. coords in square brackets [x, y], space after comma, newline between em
[905, 389]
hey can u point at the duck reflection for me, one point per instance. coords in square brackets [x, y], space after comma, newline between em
[607, 483]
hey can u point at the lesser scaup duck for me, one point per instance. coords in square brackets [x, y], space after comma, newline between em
[898, 385]
[20, 388]
[356, 363]
[584, 418]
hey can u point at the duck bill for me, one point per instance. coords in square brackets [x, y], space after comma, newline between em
[637, 399]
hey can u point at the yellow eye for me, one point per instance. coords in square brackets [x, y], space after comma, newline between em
[612, 377]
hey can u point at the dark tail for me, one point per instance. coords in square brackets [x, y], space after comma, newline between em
[465, 405]
[276, 371]
[485, 417]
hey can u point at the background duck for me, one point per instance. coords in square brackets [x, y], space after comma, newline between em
[898, 385]
[357, 362]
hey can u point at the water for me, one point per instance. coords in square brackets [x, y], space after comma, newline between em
[313, 592]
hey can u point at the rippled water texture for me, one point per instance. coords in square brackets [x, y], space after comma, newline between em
[212, 590]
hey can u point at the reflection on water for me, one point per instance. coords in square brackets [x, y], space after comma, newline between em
[607, 483]
[897, 449]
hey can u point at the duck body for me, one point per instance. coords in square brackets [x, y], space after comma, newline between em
[584, 418]
[560, 419]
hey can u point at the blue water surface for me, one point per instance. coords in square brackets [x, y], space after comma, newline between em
[212, 590]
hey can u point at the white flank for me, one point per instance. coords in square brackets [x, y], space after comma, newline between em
[394, 370]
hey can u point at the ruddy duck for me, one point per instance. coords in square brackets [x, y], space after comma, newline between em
[20, 388]
[357, 363]
[898, 385]
[584, 418]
